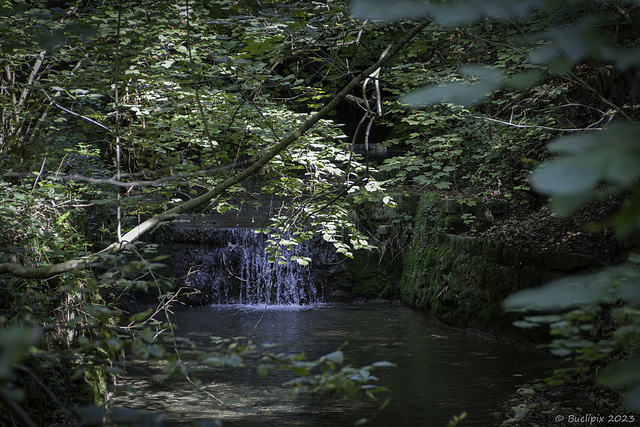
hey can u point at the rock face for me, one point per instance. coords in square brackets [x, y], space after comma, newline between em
[228, 265]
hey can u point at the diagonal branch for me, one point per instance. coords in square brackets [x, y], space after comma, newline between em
[48, 271]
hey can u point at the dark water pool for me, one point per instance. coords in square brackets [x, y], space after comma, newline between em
[441, 372]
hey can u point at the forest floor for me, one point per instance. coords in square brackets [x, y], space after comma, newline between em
[531, 225]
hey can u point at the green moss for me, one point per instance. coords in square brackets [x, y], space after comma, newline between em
[462, 280]
[372, 276]
[97, 381]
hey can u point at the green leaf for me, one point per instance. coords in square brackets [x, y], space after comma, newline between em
[632, 399]
[463, 12]
[385, 403]
[610, 156]
[524, 80]
[155, 350]
[455, 93]
[561, 352]
[383, 364]
[335, 357]
[14, 345]
[62, 218]
[634, 258]
[299, 370]
[620, 374]
[563, 293]
[262, 370]
[566, 204]
[568, 175]
[524, 324]
[481, 72]
[384, 10]
[114, 370]
[141, 316]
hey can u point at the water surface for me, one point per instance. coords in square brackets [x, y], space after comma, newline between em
[441, 371]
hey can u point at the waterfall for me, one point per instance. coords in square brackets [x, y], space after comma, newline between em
[230, 266]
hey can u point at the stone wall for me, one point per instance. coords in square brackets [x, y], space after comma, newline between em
[462, 280]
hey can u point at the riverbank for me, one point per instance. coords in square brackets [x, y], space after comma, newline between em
[578, 402]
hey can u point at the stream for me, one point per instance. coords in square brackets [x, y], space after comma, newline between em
[440, 371]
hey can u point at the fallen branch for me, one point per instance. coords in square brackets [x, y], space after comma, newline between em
[17, 269]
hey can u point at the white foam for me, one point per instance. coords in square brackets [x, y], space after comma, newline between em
[270, 307]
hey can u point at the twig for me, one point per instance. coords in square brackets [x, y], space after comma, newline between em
[534, 126]
[195, 83]
[599, 95]
[90, 120]
[71, 11]
[129, 184]
[39, 175]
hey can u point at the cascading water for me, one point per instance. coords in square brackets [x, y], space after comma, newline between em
[240, 272]
[230, 266]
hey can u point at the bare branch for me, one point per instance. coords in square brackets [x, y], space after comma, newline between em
[516, 125]
[88, 119]
[32, 77]
[129, 184]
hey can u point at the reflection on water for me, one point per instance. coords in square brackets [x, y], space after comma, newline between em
[441, 372]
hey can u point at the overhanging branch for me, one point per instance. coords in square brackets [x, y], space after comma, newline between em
[17, 269]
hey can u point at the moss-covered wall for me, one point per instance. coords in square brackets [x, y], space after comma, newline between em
[376, 274]
[372, 276]
[463, 280]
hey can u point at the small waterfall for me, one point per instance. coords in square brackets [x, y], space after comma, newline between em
[230, 266]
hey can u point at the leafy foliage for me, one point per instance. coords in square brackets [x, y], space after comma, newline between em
[558, 47]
